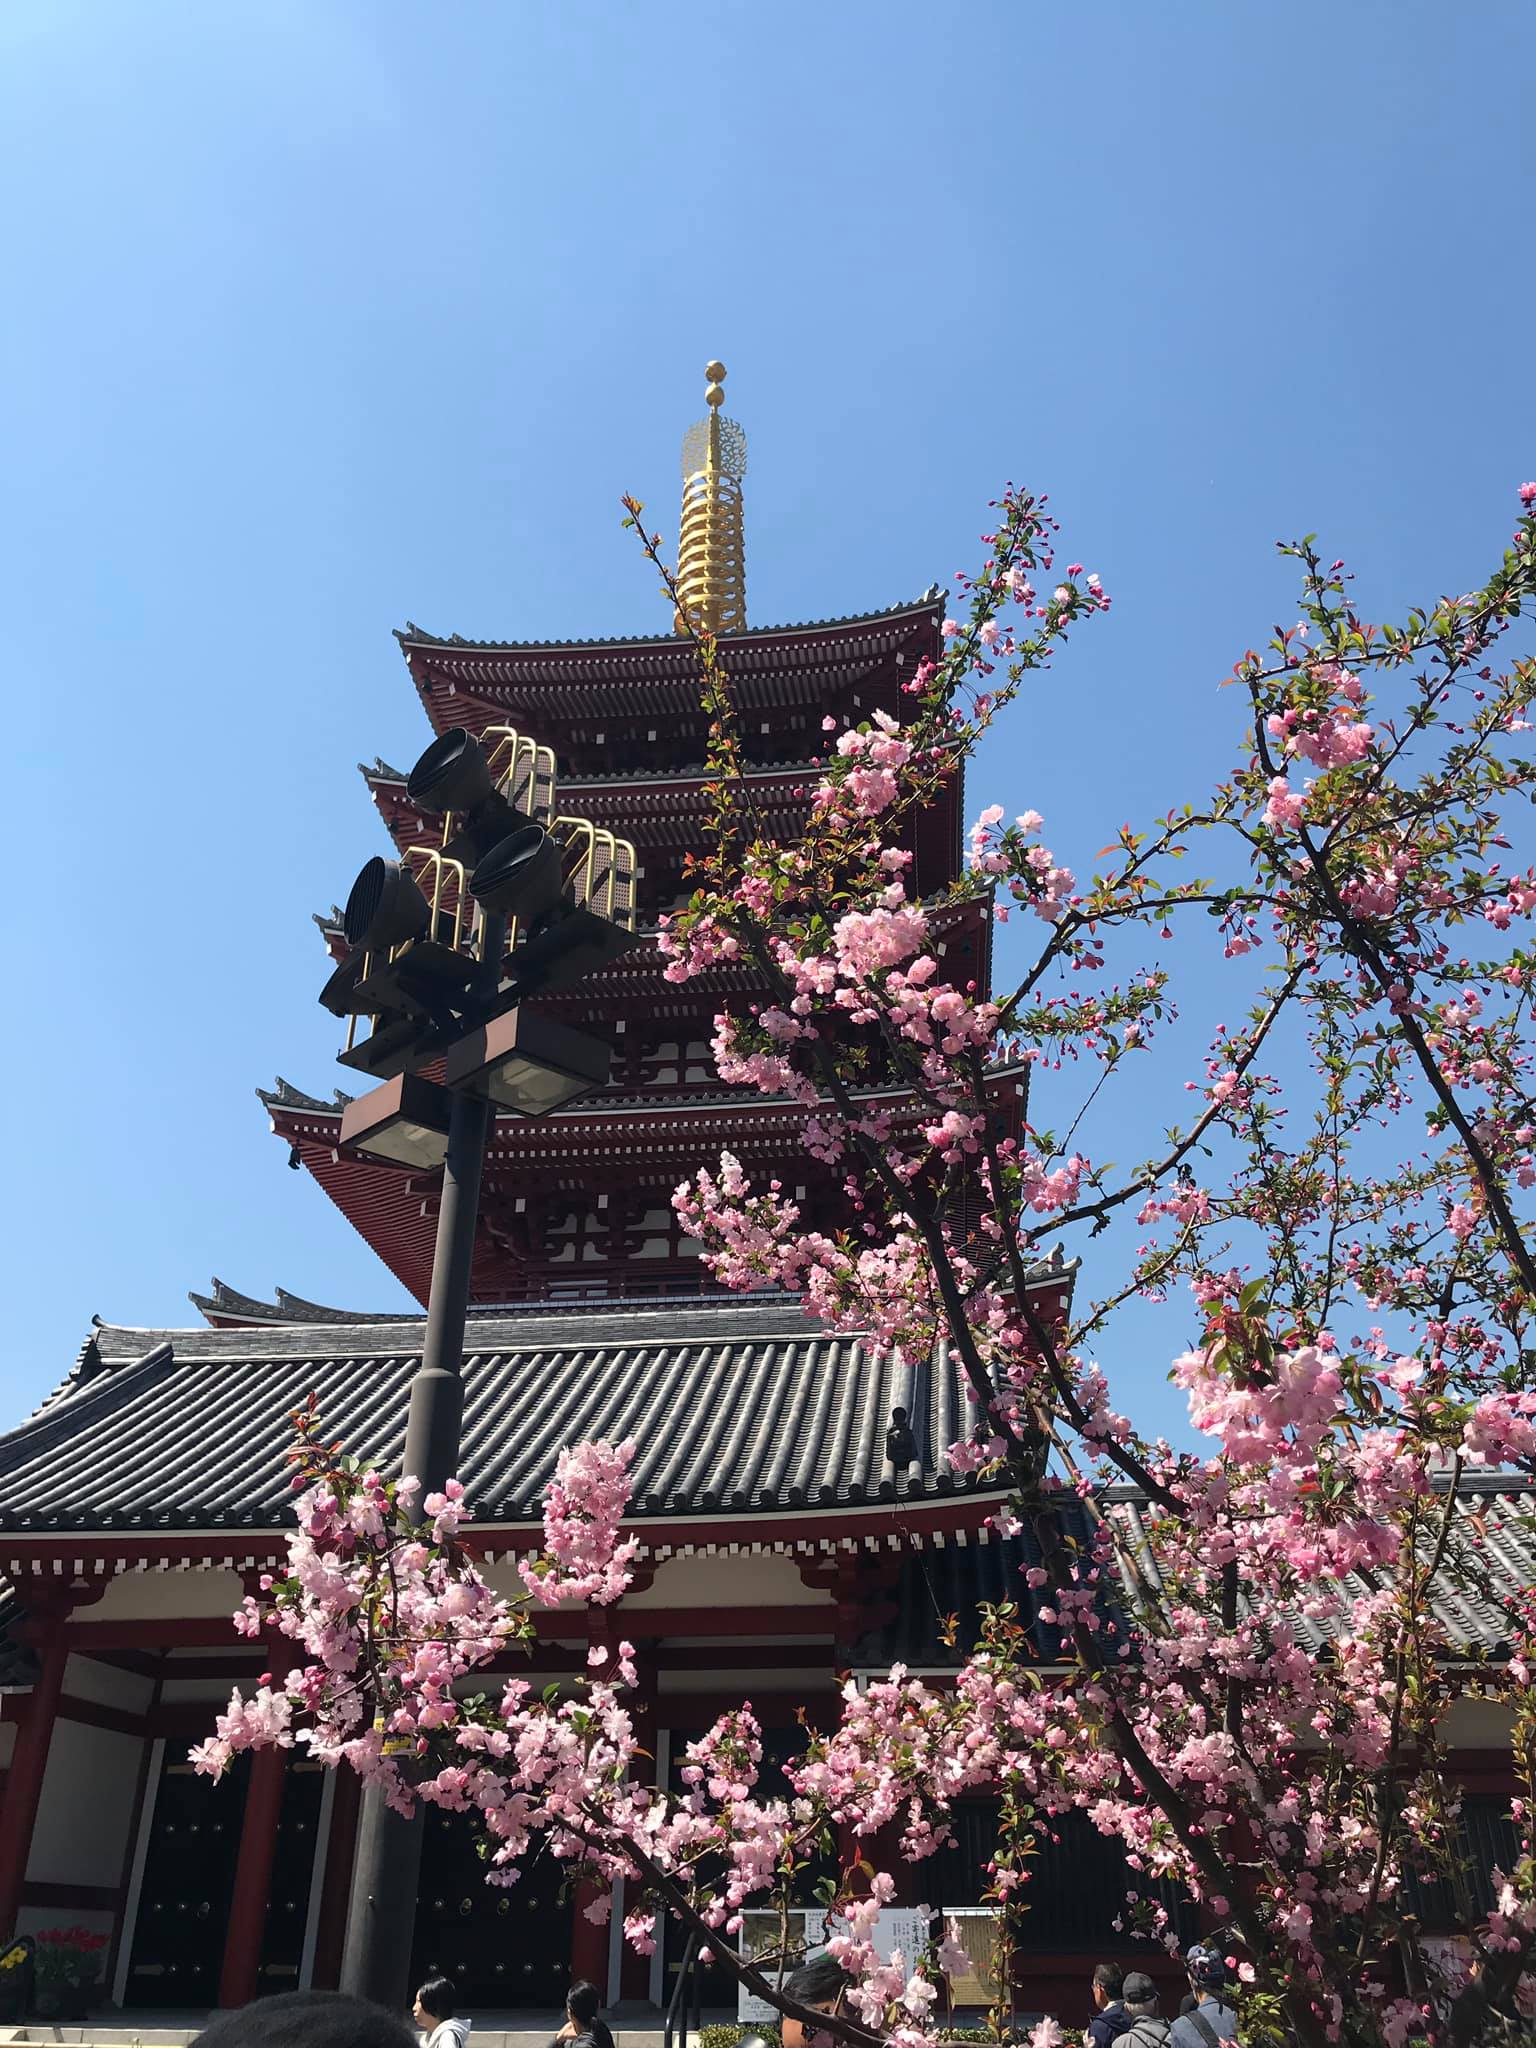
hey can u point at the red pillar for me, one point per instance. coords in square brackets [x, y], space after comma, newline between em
[589, 1938]
[253, 1878]
[336, 1887]
[589, 1941]
[24, 1781]
[634, 1969]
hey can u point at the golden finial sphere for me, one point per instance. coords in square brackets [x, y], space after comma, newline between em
[715, 372]
[714, 394]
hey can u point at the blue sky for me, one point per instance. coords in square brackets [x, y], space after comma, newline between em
[328, 314]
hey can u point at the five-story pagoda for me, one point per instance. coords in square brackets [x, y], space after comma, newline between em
[577, 1205]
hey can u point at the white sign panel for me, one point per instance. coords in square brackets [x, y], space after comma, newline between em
[898, 1927]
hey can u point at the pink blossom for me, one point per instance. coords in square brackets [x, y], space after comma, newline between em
[1284, 808]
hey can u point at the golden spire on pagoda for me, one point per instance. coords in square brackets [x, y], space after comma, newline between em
[711, 562]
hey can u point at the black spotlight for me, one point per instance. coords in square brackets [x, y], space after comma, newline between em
[385, 907]
[451, 775]
[454, 777]
[520, 876]
[340, 994]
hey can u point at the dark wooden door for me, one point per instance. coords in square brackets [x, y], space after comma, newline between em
[503, 1946]
[189, 1874]
[293, 1864]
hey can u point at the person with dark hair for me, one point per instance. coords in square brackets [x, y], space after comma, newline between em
[434, 2013]
[1146, 2028]
[582, 2025]
[822, 1983]
[1110, 2018]
[307, 2019]
[1211, 2020]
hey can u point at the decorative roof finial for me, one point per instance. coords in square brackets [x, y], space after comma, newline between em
[711, 562]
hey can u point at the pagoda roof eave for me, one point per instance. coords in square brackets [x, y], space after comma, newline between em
[413, 636]
[606, 694]
[233, 1309]
[226, 1307]
[593, 1111]
[283, 1095]
[692, 775]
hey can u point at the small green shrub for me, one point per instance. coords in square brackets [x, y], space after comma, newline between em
[726, 2034]
[730, 2032]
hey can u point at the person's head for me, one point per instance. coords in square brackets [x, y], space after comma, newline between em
[1106, 1984]
[821, 1984]
[1207, 1970]
[435, 2002]
[582, 2002]
[1139, 1993]
[307, 2019]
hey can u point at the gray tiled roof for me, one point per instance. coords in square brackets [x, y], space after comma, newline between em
[735, 1410]
[1491, 1555]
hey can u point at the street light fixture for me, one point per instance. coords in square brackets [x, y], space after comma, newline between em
[528, 1063]
[563, 890]
[520, 875]
[385, 907]
[451, 775]
[457, 780]
[403, 1123]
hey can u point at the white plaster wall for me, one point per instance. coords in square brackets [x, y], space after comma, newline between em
[721, 1585]
[1476, 1724]
[214, 1690]
[728, 1583]
[168, 1595]
[86, 1678]
[34, 1919]
[86, 1808]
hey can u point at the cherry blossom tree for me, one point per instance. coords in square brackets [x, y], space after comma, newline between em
[1356, 1145]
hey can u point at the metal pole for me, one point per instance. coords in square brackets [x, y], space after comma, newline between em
[381, 1914]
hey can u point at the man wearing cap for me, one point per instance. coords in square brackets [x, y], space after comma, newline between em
[1212, 2019]
[1147, 2029]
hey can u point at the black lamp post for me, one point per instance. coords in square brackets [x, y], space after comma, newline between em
[430, 997]
[381, 1914]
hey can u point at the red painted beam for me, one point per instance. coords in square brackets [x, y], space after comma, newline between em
[31, 1560]
[94, 1715]
[74, 1898]
[640, 1624]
